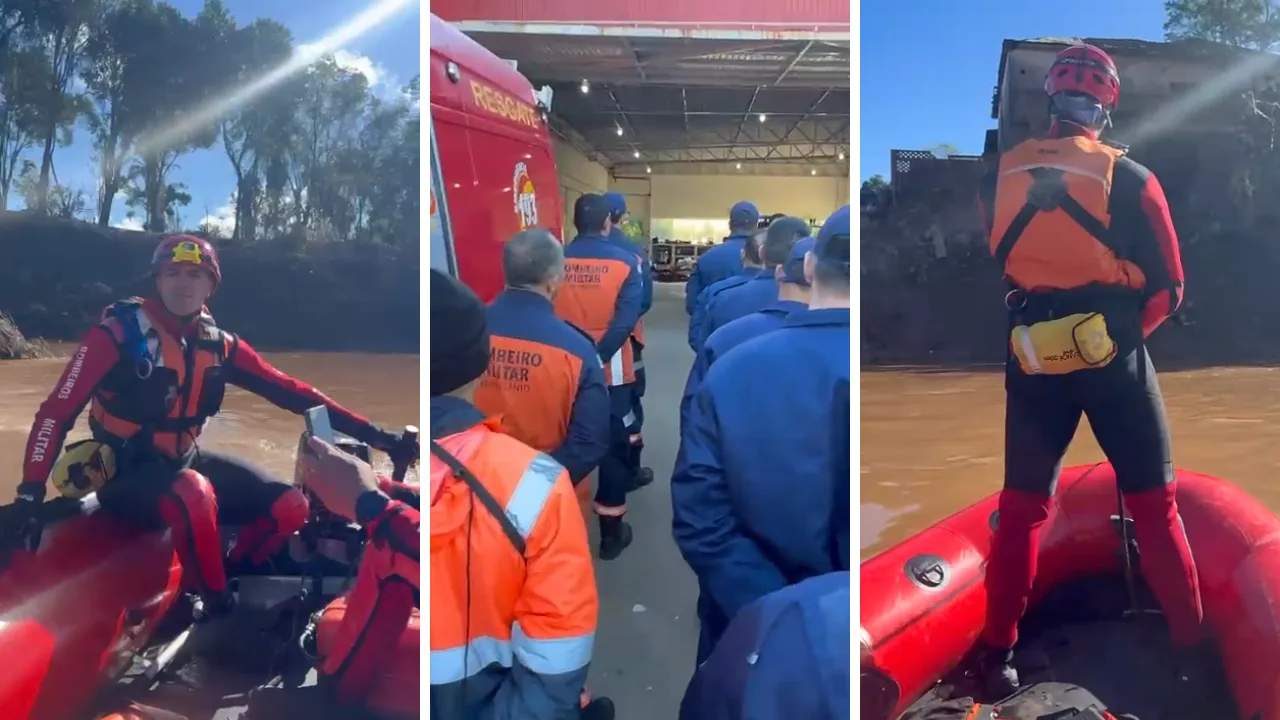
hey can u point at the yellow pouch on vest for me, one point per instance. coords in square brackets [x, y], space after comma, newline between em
[1065, 345]
[84, 467]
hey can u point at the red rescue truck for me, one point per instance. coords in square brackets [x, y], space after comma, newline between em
[493, 169]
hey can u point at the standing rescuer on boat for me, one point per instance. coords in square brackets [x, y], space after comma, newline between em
[152, 373]
[1085, 240]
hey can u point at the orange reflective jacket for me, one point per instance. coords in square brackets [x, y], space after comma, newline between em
[518, 554]
[157, 385]
[1051, 217]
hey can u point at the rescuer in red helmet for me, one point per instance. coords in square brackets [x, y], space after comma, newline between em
[1085, 241]
[153, 372]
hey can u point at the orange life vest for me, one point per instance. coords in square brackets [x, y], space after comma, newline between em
[1051, 217]
[162, 384]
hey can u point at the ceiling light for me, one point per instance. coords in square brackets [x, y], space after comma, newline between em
[648, 169]
[763, 117]
[585, 87]
[636, 154]
[739, 166]
[840, 156]
[813, 172]
[619, 128]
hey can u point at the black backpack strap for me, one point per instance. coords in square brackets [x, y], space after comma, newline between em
[482, 494]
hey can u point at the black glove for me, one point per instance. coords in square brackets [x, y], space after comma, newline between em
[28, 523]
[404, 452]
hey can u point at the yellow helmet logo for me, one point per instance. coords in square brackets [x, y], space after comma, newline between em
[187, 252]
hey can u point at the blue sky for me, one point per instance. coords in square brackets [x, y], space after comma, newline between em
[390, 54]
[928, 67]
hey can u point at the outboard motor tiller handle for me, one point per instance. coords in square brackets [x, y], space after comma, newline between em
[406, 455]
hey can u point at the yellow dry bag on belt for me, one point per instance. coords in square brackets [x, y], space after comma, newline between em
[84, 467]
[1065, 345]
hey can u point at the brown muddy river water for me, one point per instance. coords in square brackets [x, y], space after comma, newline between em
[384, 388]
[932, 442]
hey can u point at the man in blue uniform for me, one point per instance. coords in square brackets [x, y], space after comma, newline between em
[752, 266]
[641, 476]
[601, 295]
[793, 295]
[785, 656]
[761, 488]
[545, 380]
[725, 259]
[762, 290]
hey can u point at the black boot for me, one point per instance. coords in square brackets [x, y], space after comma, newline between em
[994, 671]
[642, 477]
[615, 536]
[598, 709]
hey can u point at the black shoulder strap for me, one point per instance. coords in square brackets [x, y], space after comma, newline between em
[482, 494]
[1049, 192]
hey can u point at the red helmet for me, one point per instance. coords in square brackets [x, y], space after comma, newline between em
[1084, 69]
[190, 250]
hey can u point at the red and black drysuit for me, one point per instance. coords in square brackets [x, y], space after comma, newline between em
[193, 490]
[1125, 410]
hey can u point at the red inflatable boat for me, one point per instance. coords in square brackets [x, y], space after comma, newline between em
[95, 626]
[1083, 650]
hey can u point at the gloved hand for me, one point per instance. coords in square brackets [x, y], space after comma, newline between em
[28, 523]
[405, 450]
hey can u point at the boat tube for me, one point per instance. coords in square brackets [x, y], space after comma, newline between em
[1092, 645]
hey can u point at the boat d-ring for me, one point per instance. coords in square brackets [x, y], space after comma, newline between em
[1015, 300]
[144, 367]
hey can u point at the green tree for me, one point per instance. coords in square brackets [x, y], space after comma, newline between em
[944, 150]
[18, 119]
[1245, 23]
[875, 183]
[259, 134]
[320, 154]
[59, 31]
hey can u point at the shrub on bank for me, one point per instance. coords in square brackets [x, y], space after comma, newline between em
[15, 346]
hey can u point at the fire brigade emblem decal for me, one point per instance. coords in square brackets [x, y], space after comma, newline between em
[928, 572]
[526, 197]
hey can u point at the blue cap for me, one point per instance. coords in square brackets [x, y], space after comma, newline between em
[793, 271]
[832, 246]
[616, 202]
[743, 213]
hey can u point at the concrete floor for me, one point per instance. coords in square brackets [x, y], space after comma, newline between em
[648, 630]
